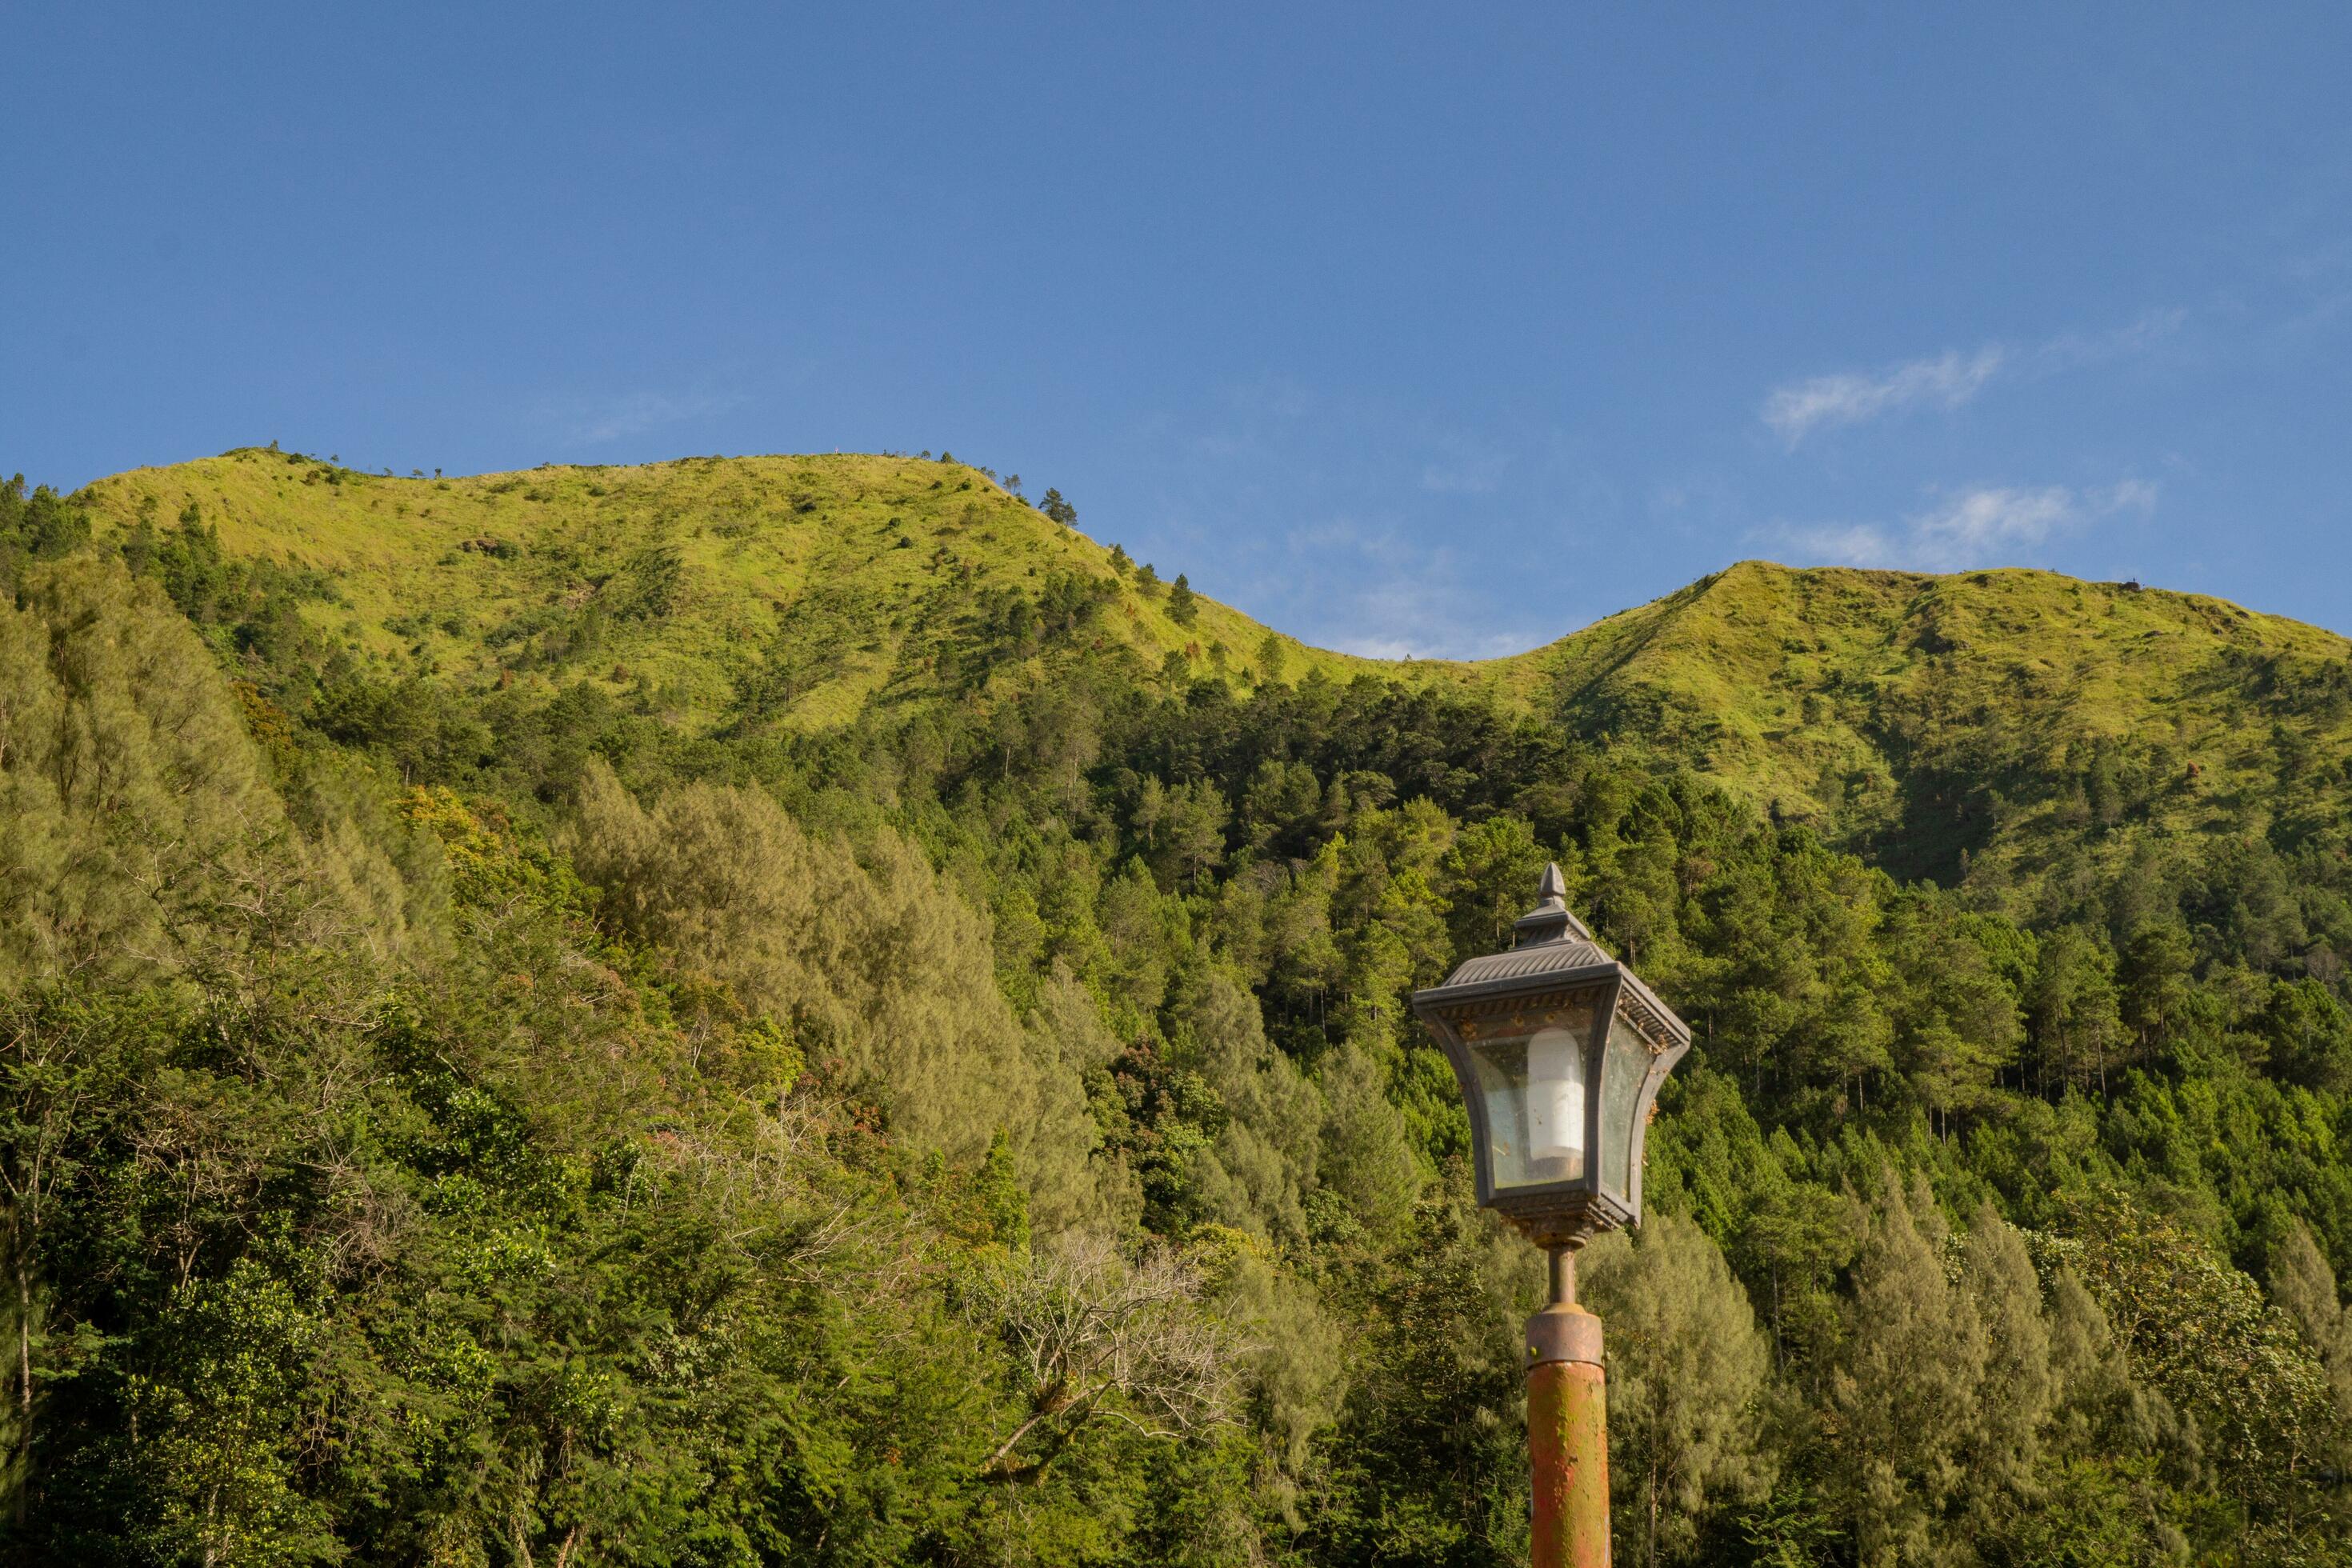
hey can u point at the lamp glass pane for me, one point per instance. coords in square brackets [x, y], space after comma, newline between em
[1533, 1068]
[1624, 1066]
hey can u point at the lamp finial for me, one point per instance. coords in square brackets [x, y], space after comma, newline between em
[1550, 920]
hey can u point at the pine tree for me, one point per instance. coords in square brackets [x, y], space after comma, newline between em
[2303, 1286]
[1687, 1372]
[2077, 1022]
[877, 962]
[1903, 1395]
[1272, 660]
[2004, 1422]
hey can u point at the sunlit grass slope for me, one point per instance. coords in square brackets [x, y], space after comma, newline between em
[1924, 718]
[683, 575]
[1985, 710]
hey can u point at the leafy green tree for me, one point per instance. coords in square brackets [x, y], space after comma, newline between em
[2309, 1031]
[1419, 1467]
[1273, 659]
[2077, 1026]
[41, 526]
[1901, 1396]
[2198, 1332]
[2304, 1286]
[1687, 1372]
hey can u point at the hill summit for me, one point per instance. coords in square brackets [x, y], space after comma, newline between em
[1930, 720]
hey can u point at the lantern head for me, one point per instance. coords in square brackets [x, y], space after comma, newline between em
[1560, 1050]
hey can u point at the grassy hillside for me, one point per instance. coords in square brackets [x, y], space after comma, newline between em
[856, 576]
[1939, 724]
[1990, 712]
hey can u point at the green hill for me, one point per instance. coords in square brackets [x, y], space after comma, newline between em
[1998, 712]
[797, 1010]
[1990, 715]
[860, 575]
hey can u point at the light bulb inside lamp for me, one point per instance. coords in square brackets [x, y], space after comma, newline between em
[1556, 1105]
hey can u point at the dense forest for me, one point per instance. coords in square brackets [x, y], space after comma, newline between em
[516, 1101]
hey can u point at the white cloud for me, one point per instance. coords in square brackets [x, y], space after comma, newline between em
[1410, 601]
[1950, 379]
[1462, 466]
[1459, 478]
[621, 417]
[2071, 350]
[1842, 545]
[1946, 381]
[1427, 633]
[1978, 526]
[1988, 526]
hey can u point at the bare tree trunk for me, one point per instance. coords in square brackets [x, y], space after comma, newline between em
[24, 1338]
[23, 1380]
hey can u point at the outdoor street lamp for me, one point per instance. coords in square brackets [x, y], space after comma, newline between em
[1560, 1050]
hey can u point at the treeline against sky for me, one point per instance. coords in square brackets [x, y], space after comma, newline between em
[447, 1124]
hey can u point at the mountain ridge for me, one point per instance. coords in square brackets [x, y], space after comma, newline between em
[843, 584]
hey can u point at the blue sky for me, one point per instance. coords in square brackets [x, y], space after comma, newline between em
[1438, 330]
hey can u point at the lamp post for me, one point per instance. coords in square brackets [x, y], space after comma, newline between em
[1560, 1050]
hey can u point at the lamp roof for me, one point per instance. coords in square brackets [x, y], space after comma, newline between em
[1550, 941]
[1553, 943]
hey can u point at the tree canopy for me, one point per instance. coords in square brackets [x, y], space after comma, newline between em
[464, 1117]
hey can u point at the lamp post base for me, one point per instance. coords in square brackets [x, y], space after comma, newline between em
[1567, 1438]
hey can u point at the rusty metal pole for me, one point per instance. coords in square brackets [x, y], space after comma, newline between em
[1567, 1427]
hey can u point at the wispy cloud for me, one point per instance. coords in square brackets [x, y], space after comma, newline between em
[1950, 379]
[1376, 525]
[1400, 599]
[593, 424]
[2074, 351]
[1470, 479]
[1463, 465]
[1974, 528]
[1946, 381]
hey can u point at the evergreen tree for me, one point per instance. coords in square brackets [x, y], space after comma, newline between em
[2078, 1027]
[2004, 1421]
[1687, 1372]
[1273, 659]
[2303, 1286]
[1905, 1389]
[1183, 609]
